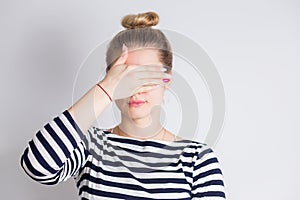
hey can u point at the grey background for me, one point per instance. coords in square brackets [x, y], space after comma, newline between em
[254, 45]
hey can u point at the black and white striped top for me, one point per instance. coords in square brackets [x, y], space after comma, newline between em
[109, 166]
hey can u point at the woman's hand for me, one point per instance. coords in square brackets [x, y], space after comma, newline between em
[123, 80]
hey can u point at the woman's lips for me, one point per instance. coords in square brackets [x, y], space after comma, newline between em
[136, 103]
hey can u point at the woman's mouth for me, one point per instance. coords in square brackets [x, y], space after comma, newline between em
[136, 103]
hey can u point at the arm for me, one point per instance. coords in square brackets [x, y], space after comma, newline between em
[56, 152]
[89, 107]
[59, 149]
[208, 182]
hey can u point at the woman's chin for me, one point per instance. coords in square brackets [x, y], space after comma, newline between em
[136, 114]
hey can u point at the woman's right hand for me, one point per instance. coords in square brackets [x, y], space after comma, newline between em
[123, 80]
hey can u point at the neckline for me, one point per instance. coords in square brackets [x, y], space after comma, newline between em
[109, 134]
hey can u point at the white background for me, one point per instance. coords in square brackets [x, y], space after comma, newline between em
[254, 45]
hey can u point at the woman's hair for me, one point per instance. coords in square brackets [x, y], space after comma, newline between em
[139, 34]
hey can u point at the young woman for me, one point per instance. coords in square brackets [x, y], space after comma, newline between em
[139, 158]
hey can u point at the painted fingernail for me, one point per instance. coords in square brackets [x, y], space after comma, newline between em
[166, 80]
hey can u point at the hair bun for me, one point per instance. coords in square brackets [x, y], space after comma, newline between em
[140, 20]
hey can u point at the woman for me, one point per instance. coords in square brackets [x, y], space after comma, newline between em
[139, 158]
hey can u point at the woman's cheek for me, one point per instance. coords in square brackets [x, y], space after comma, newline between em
[122, 104]
[156, 97]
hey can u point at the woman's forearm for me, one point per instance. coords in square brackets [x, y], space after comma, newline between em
[86, 110]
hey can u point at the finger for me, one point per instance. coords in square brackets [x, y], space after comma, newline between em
[148, 68]
[148, 88]
[122, 59]
[152, 81]
[152, 74]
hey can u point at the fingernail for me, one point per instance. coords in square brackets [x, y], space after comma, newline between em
[166, 80]
[163, 69]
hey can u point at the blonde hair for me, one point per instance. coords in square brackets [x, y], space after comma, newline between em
[139, 34]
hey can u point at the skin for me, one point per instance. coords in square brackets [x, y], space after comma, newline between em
[143, 122]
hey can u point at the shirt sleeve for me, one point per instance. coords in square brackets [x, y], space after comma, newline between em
[56, 152]
[208, 180]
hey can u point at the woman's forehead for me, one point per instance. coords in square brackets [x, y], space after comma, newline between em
[143, 57]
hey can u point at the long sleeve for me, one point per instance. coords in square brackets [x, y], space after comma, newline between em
[56, 152]
[208, 180]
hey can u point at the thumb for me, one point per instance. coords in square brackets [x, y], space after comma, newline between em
[122, 59]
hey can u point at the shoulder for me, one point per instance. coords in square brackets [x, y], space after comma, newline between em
[203, 156]
[97, 131]
[196, 151]
[206, 165]
[96, 134]
[207, 176]
[96, 138]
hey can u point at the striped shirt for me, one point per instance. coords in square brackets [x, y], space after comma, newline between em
[109, 166]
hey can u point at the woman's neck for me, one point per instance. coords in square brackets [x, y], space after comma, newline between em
[145, 127]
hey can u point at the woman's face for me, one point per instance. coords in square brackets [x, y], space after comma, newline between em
[130, 106]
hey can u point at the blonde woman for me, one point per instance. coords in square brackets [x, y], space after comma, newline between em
[139, 158]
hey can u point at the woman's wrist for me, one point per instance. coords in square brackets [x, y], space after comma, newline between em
[98, 84]
[106, 88]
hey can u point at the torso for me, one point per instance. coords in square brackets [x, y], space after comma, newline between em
[118, 167]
